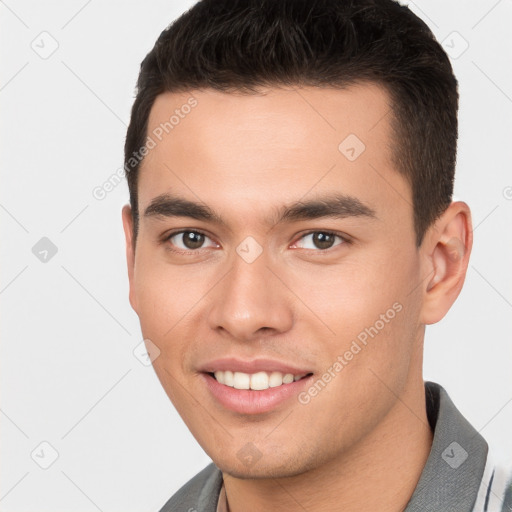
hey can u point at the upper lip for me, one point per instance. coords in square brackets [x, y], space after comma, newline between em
[253, 366]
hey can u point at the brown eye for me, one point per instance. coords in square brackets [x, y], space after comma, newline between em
[323, 240]
[193, 240]
[189, 240]
[320, 240]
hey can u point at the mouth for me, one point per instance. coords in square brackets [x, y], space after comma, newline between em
[255, 393]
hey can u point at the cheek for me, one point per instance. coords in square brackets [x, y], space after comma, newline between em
[364, 317]
[169, 298]
[164, 293]
[345, 299]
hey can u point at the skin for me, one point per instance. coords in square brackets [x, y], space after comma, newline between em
[361, 443]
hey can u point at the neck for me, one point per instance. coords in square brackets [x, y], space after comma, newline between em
[380, 473]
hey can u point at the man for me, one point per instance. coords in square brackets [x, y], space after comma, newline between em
[290, 234]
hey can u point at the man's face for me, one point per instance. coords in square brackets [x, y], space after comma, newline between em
[252, 290]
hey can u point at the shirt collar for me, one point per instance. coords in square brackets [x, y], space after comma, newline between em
[452, 474]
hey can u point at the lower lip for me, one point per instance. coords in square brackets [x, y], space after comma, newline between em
[249, 401]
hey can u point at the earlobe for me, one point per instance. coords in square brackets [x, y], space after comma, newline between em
[448, 248]
[130, 251]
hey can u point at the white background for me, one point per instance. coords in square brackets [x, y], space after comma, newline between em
[68, 373]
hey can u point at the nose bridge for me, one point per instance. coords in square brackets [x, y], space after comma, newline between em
[249, 297]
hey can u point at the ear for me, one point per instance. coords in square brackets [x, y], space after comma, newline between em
[446, 247]
[130, 251]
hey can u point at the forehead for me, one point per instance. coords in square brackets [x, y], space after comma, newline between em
[247, 151]
[299, 117]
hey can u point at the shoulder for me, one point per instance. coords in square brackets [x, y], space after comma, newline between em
[199, 494]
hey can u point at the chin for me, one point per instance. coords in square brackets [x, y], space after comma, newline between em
[261, 469]
[262, 473]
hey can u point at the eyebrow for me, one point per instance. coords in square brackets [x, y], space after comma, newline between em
[338, 206]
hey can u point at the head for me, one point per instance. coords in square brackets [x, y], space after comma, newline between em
[290, 167]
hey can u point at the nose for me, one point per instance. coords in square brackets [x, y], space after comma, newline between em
[250, 301]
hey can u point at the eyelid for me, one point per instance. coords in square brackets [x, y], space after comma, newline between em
[166, 238]
[345, 239]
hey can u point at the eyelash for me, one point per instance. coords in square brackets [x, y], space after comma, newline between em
[344, 240]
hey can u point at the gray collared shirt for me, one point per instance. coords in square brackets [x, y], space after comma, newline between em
[459, 475]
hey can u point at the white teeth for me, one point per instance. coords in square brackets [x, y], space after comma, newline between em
[288, 378]
[229, 379]
[257, 381]
[275, 379]
[241, 380]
